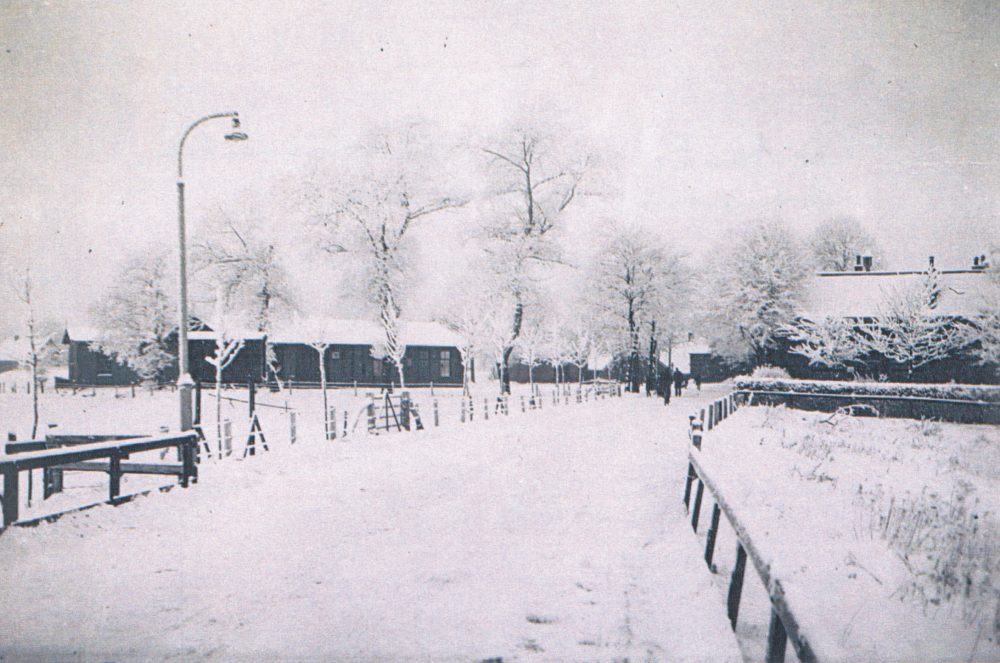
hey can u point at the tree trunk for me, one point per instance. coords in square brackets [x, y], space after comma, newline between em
[518, 317]
[651, 372]
[322, 385]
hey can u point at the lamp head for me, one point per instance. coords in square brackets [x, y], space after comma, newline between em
[236, 135]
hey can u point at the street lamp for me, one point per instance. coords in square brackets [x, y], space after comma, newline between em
[184, 381]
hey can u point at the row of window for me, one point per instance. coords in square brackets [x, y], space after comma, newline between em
[444, 362]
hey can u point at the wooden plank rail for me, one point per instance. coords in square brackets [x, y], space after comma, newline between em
[784, 626]
[72, 457]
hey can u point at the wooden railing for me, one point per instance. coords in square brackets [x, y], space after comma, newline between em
[784, 626]
[75, 458]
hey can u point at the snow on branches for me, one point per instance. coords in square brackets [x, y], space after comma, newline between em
[136, 316]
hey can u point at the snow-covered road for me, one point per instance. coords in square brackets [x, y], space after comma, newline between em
[554, 536]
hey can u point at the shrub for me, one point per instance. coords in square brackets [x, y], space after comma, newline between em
[960, 392]
[770, 373]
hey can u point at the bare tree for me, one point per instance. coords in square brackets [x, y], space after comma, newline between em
[757, 288]
[836, 243]
[137, 315]
[533, 193]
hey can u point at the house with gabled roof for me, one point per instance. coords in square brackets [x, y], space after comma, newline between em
[864, 296]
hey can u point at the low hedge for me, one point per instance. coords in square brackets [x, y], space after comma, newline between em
[960, 392]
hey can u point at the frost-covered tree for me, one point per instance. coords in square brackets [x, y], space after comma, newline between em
[33, 355]
[136, 316]
[534, 188]
[579, 339]
[532, 345]
[469, 318]
[389, 188]
[983, 332]
[836, 243]
[832, 342]
[757, 287]
[910, 331]
[633, 280]
[238, 263]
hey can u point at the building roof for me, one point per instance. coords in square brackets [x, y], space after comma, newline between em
[867, 294]
[361, 332]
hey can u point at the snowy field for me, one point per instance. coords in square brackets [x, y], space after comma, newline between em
[556, 534]
[884, 533]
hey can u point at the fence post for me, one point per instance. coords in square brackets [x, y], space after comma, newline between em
[522, 403]
[291, 430]
[404, 409]
[432, 390]
[435, 413]
[371, 416]
[696, 511]
[713, 532]
[462, 419]
[115, 473]
[687, 489]
[345, 422]
[486, 409]
[10, 496]
[736, 583]
[776, 639]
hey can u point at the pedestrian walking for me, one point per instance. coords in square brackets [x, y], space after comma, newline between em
[678, 382]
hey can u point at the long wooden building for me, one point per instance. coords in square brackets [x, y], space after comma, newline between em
[431, 357]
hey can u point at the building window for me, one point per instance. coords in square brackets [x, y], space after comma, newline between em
[335, 355]
[446, 363]
[377, 367]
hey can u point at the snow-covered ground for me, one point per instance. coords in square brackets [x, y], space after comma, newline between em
[556, 534]
[883, 532]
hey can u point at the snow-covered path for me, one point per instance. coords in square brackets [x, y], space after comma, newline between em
[555, 536]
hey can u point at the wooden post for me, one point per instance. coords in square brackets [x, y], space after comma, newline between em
[115, 474]
[713, 532]
[522, 403]
[10, 496]
[776, 640]
[463, 410]
[696, 511]
[345, 422]
[435, 413]
[486, 409]
[291, 430]
[736, 583]
[188, 470]
[404, 409]
[687, 489]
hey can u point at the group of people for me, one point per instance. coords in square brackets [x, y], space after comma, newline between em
[667, 379]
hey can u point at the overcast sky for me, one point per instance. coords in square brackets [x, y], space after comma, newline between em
[710, 113]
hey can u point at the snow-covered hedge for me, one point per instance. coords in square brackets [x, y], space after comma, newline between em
[961, 392]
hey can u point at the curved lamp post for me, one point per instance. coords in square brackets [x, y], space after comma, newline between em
[184, 381]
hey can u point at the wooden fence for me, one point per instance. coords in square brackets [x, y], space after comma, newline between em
[77, 457]
[784, 626]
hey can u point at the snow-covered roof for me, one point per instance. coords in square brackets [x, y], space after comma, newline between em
[598, 362]
[79, 333]
[245, 334]
[866, 294]
[361, 332]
